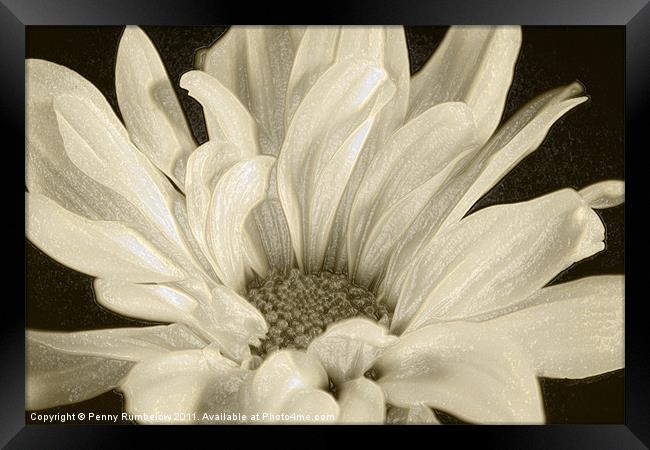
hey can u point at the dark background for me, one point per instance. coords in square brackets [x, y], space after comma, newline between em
[583, 147]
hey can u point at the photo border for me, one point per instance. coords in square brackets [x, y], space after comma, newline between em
[633, 14]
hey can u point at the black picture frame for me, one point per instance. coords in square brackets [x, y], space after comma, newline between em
[633, 15]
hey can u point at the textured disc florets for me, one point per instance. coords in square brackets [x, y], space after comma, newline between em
[298, 307]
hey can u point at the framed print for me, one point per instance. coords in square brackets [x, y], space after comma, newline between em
[357, 224]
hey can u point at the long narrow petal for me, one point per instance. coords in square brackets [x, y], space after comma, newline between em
[101, 249]
[361, 401]
[226, 118]
[225, 318]
[236, 193]
[254, 64]
[100, 150]
[497, 257]
[349, 348]
[49, 171]
[475, 65]
[571, 330]
[70, 367]
[149, 106]
[180, 387]
[430, 146]
[465, 368]
[287, 380]
[521, 135]
[335, 109]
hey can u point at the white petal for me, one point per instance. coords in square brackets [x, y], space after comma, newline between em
[605, 194]
[361, 401]
[571, 330]
[238, 317]
[254, 63]
[515, 140]
[149, 106]
[49, 171]
[226, 118]
[415, 415]
[428, 147]
[283, 375]
[465, 368]
[334, 111]
[225, 318]
[310, 406]
[99, 149]
[65, 368]
[475, 65]
[498, 257]
[179, 387]
[347, 349]
[100, 249]
[236, 193]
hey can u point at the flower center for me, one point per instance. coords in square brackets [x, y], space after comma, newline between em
[298, 307]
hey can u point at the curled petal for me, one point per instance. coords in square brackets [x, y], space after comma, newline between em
[349, 348]
[254, 64]
[226, 118]
[605, 194]
[465, 368]
[149, 106]
[235, 195]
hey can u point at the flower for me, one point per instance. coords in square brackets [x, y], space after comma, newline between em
[314, 258]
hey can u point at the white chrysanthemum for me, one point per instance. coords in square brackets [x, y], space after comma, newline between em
[313, 257]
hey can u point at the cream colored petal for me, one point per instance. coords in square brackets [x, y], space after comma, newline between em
[605, 194]
[497, 257]
[234, 314]
[415, 415]
[386, 46]
[66, 368]
[473, 64]
[100, 150]
[468, 369]
[349, 348]
[236, 193]
[315, 54]
[282, 376]
[521, 135]
[310, 406]
[346, 96]
[571, 330]
[225, 318]
[428, 147]
[176, 388]
[254, 63]
[226, 118]
[149, 106]
[98, 248]
[49, 171]
[361, 401]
